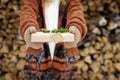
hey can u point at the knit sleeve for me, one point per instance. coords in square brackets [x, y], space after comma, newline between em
[75, 17]
[28, 16]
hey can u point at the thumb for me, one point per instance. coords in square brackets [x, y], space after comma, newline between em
[33, 29]
[72, 29]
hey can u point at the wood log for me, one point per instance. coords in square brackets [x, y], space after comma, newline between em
[20, 64]
[85, 67]
[4, 49]
[108, 55]
[8, 76]
[117, 57]
[80, 64]
[4, 1]
[20, 75]
[88, 59]
[4, 64]
[100, 76]
[15, 47]
[109, 65]
[1, 40]
[112, 26]
[112, 77]
[14, 59]
[117, 66]
[100, 59]
[84, 52]
[95, 66]
[16, 52]
[21, 54]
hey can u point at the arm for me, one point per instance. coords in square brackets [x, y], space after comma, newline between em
[76, 24]
[28, 16]
[75, 17]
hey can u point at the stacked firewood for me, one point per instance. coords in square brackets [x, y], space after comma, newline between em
[99, 51]
[12, 49]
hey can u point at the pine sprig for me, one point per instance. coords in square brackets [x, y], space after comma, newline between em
[61, 30]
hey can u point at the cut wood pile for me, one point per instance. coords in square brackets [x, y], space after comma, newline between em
[11, 47]
[99, 51]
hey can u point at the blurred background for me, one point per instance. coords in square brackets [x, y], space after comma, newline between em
[99, 51]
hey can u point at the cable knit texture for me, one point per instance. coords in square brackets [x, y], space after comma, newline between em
[74, 17]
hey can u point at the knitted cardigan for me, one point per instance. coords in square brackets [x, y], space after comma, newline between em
[30, 16]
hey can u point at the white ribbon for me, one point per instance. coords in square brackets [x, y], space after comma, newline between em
[51, 20]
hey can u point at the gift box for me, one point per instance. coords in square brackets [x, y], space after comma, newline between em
[52, 37]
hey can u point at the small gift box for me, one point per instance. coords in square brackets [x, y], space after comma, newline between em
[52, 37]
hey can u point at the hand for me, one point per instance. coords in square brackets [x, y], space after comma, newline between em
[77, 37]
[27, 37]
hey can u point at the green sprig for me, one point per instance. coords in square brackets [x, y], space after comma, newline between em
[61, 30]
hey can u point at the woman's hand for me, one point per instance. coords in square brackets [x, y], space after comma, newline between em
[77, 37]
[27, 37]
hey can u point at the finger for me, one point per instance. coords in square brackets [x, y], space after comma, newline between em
[27, 35]
[77, 36]
[76, 33]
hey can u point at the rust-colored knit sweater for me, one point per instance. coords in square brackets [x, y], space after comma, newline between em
[74, 17]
